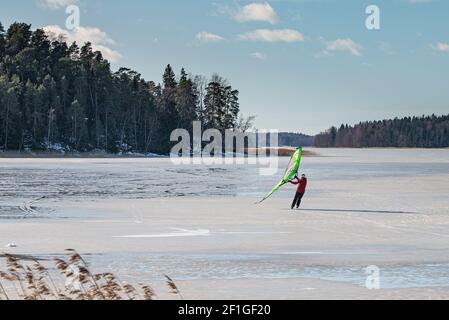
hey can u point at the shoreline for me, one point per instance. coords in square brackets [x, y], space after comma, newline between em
[82, 155]
[284, 152]
[93, 155]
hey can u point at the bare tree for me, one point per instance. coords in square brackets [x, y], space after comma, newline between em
[245, 124]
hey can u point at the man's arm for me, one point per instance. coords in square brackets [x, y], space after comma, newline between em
[295, 180]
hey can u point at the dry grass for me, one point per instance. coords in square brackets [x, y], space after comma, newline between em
[33, 281]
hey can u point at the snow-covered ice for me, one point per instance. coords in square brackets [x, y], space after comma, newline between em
[143, 218]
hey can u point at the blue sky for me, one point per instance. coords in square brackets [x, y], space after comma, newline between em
[300, 65]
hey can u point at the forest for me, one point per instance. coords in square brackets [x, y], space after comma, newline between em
[291, 139]
[64, 96]
[410, 132]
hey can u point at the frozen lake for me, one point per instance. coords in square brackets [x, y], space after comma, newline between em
[24, 182]
[143, 218]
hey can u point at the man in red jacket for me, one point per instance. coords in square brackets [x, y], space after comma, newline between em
[302, 186]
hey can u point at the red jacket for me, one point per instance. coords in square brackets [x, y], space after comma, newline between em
[302, 185]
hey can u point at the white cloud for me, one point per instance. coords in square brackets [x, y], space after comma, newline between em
[345, 45]
[108, 53]
[341, 45]
[259, 55]
[257, 12]
[207, 37]
[99, 39]
[366, 65]
[265, 35]
[441, 46]
[323, 54]
[57, 4]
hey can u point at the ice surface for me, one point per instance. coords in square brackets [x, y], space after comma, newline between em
[25, 182]
[143, 218]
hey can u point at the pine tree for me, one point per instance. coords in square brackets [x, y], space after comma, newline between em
[214, 106]
[169, 117]
[10, 113]
[34, 116]
[232, 108]
[17, 38]
[186, 101]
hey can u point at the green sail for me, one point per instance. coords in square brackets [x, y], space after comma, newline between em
[290, 173]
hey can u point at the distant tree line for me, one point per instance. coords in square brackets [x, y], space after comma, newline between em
[290, 139]
[57, 94]
[411, 132]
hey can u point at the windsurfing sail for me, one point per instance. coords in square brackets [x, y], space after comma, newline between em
[290, 173]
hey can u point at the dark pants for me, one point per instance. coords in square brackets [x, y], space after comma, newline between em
[298, 198]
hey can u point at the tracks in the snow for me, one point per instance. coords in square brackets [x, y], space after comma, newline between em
[29, 208]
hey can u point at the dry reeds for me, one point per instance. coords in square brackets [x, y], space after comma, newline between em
[173, 287]
[36, 282]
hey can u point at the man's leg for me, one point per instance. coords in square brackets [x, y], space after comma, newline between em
[295, 200]
[298, 203]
